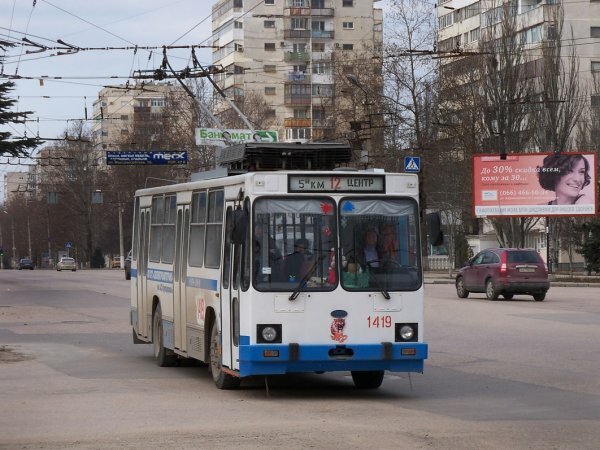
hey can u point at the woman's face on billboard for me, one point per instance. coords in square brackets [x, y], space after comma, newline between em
[571, 183]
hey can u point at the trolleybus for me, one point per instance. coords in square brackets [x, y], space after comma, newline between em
[266, 273]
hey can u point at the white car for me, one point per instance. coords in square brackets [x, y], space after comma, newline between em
[66, 264]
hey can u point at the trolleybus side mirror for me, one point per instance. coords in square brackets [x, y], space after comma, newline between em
[240, 226]
[434, 226]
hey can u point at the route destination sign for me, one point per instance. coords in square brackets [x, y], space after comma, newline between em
[336, 183]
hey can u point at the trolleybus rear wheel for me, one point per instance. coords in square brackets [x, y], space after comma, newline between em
[367, 380]
[164, 357]
[221, 379]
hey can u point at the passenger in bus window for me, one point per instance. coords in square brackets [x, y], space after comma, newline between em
[297, 263]
[268, 262]
[388, 244]
[369, 253]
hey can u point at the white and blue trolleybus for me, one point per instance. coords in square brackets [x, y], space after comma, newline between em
[283, 271]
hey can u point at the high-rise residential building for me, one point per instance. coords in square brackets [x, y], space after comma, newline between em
[19, 183]
[286, 52]
[463, 22]
[118, 108]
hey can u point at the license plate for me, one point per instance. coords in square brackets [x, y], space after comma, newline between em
[526, 269]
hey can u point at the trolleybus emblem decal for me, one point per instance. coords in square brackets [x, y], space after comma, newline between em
[338, 324]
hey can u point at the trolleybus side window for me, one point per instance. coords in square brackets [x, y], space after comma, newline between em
[156, 219]
[136, 232]
[227, 249]
[168, 229]
[197, 229]
[214, 226]
[246, 251]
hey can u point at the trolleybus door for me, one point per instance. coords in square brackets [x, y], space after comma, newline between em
[230, 296]
[180, 275]
[142, 272]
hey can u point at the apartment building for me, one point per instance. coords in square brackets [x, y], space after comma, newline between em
[18, 183]
[117, 108]
[285, 51]
[462, 22]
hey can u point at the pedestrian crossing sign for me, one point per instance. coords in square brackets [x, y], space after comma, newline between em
[412, 164]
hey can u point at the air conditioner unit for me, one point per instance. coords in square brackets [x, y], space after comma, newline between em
[282, 44]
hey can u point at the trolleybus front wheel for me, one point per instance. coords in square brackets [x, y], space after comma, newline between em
[164, 357]
[221, 379]
[367, 380]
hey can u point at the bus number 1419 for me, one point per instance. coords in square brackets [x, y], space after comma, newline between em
[380, 321]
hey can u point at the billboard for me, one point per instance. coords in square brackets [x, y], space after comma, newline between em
[535, 184]
[143, 157]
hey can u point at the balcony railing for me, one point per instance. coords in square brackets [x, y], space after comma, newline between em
[323, 12]
[321, 34]
[297, 76]
[296, 56]
[296, 34]
[297, 12]
[297, 99]
[292, 122]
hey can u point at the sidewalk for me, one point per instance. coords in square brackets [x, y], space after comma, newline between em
[561, 280]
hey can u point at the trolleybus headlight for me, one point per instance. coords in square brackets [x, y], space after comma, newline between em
[407, 332]
[268, 333]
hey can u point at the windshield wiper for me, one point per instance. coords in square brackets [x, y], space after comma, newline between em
[305, 278]
[385, 293]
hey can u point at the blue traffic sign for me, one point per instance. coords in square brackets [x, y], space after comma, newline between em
[412, 164]
[68, 244]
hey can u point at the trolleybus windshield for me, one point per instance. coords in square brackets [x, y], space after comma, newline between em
[294, 242]
[379, 244]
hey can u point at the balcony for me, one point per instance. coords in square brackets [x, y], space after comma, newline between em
[322, 34]
[292, 77]
[291, 122]
[296, 11]
[296, 56]
[322, 12]
[296, 34]
[297, 99]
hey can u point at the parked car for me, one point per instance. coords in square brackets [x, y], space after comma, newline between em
[115, 262]
[128, 266]
[506, 272]
[25, 263]
[66, 263]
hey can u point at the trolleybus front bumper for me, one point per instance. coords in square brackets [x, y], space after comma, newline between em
[272, 359]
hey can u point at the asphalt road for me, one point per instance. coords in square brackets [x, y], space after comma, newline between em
[506, 374]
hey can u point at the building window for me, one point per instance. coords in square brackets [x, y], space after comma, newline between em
[474, 35]
[270, 68]
[297, 133]
[158, 102]
[596, 66]
[124, 117]
[300, 114]
[446, 21]
[238, 25]
[269, 46]
[322, 68]
[269, 24]
[269, 2]
[347, 3]
[299, 23]
[347, 46]
[238, 48]
[318, 47]
[269, 90]
[595, 32]
[348, 25]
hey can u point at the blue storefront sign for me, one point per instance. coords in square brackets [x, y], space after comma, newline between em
[146, 157]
